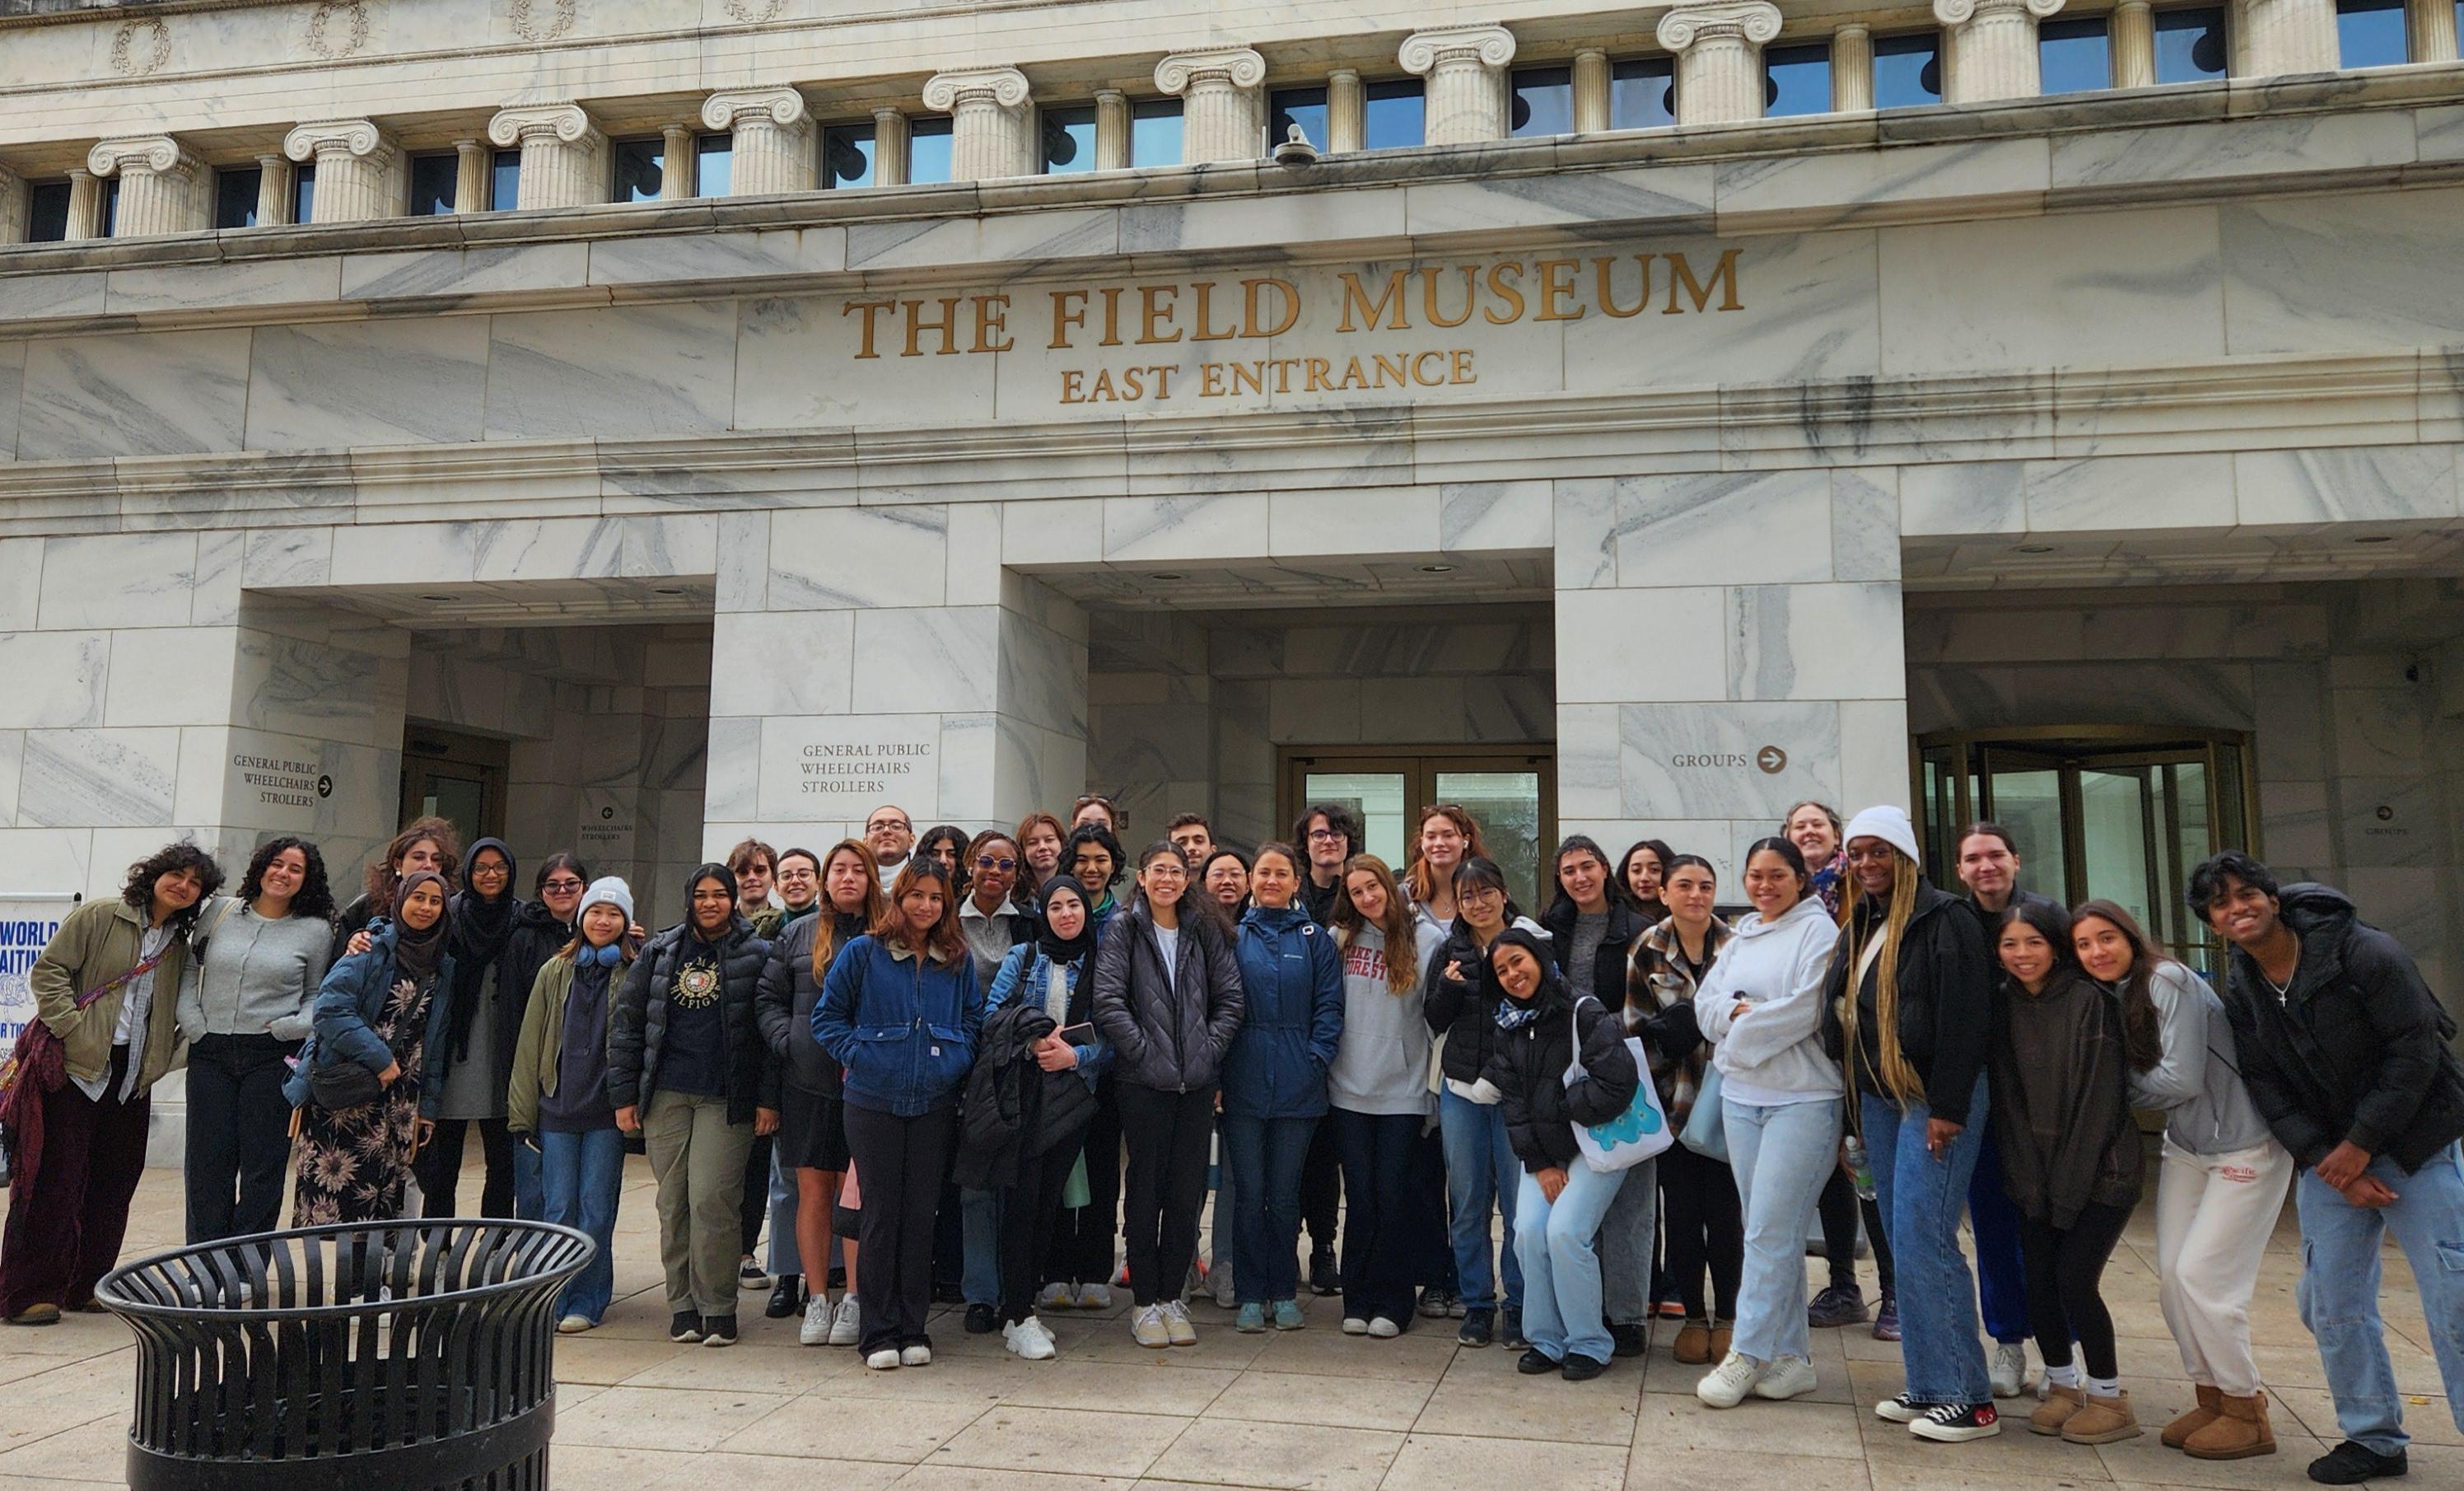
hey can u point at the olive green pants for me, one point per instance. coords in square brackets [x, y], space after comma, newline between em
[698, 1157]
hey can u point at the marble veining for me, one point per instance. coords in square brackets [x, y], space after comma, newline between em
[142, 393]
[2353, 484]
[367, 383]
[101, 778]
[851, 557]
[614, 371]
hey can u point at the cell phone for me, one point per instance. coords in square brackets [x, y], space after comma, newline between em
[1067, 1031]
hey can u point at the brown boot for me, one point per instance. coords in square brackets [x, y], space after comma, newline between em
[1723, 1333]
[2177, 1434]
[2102, 1421]
[2059, 1404]
[2241, 1432]
[1694, 1343]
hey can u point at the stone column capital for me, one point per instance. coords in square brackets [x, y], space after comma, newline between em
[160, 154]
[1005, 86]
[358, 137]
[1959, 13]
[1755, 21]
[1487, 46]
[520, 122]
[782, 106]
[1240, 67]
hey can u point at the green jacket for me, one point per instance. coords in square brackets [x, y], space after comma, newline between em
[96, 943]
[542, 1037]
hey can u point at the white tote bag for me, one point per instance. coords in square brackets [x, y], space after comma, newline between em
[1633, 1136]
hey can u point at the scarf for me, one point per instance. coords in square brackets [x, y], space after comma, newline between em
[1512, 1013]
[793, 916]
[482, 932]
[1064, 949]
[416, 953]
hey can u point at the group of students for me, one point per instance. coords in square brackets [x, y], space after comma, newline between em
[1001, 1050]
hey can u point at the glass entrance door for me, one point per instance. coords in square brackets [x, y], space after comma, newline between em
[457, 777]
[1512, 797]
[2116, 814]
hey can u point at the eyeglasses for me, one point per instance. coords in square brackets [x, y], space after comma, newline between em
[890, 823]
[1483, 894]
[988, 862]
[1321, 835]
[562, 885]
[1092, 801]
[1166, 870]
[800, 873]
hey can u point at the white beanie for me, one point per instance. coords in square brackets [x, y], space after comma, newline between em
[1888, 824]
[610, 890]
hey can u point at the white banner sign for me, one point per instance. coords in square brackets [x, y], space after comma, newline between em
[26, 924]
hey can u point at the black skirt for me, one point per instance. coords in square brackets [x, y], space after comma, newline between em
[812, 1131]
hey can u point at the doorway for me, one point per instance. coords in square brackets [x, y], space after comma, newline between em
[457, 777]
[2122, 814]
[1512, 795]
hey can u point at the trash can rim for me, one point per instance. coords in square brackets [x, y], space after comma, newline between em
[106, 1291]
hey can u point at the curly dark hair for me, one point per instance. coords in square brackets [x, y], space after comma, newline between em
[315, 898]
[170, 859]
[1100, 836]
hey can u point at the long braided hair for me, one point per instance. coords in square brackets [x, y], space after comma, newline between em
[1898, 1078]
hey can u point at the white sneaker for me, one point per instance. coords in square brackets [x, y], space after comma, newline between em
[1176, 1325]
[885, 1360]
[1726, 1385]
[1094, 1297]
[573, 1324]
[1148, 1329]
[1027, 1341]
[1384, 1330]
[2009, 1372]
[1355, 1325]
[1220, 1280]
[819, 1315]
[915, 1356]
[846, 1326]
[1786, 1377]
[1055, 1297]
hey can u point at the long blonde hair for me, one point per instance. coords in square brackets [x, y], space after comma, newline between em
[1898, 1075]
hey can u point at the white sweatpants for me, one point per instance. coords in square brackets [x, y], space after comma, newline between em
[2214, 1214]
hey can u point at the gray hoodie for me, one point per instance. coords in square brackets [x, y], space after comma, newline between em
[1382, 1064]
[1774, 1053]
[2197, 1084]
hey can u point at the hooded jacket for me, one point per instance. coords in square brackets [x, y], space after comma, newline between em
[344, 1017]
[2061, 1106]
[1382, 1065]
[1660, 1007]
[2197, 1084]
[1292, 978]
[1527, 1067]
[1948, 1010]
[1015, 1109]
[1169, 1035]
[1462, 1010]
[783, 1004]
[637, 1021]
[1774, 1053]
[2356, 1049]
[902, 1025]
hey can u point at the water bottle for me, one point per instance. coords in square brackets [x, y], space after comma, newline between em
[1860, 1173]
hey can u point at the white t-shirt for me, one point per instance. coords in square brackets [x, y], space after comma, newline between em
[1168, 940]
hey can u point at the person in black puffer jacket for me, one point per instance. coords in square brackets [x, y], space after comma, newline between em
[685, 1059]
[1541, 1028]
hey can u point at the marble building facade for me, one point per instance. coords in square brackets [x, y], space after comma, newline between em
[1722, 458]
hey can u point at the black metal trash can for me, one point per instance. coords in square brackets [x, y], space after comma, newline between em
[395, 1356]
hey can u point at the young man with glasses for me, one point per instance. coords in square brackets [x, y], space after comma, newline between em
[1329, 836]
[891, 834]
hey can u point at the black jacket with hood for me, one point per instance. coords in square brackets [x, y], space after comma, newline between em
[1950, 1008]
[2358, 1049]
[1169, 1035]
[784, 1006]
[1626, 922]
[1463, 1010]
[1527, 1067]
[637, 1020]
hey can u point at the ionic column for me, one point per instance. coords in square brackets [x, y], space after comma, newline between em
[989, 110]
[2432, 25]
[472, 163]
[359, 172]
[161, 185]
[1347, 112]
[1991, 51]
[1466, 68]
[273, 191]
[892, 149]
[2278, 37]
[564, 157]
[1222, 102]
[2133, 34]
[13, 208]
[681, 164]
[85, 206]
[773, 138]
[1719, 52]
[1591, 91]
[1852, 68]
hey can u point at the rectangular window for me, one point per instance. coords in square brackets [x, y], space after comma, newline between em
[1302, 106]
[2074, 57]
[847, 156]
[2371, 33]
[639, 167]
[1155, 132]
[1544, 101]
[1068, 137]
[1642, 94]
[1796, 81]
[47, 211]
[713, 165]
[928, 151]
[303, 193]
[505, 181]
[2189, 45]
[1397, 119]
[1908, 70]
[434, 181]
[110, 207]
[235, 190]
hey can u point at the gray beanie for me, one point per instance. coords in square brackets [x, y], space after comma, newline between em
[611, 890]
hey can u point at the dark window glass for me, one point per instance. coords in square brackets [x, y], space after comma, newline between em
[928, 151]
[2072, 57]
[505, 181]
[433, 180]
[1069, 140]
[713, 165]
[110, 206]
[1544, 101]
[47, 211]
[640, 166]
[1155, 132]
[1642, 94]
[1302, 106]
[1908, 70]
[2189, 45]
[1796, 81]
[235, 191]
[1396, 119]
[303, 193]
[2371, 33]
[846, 155]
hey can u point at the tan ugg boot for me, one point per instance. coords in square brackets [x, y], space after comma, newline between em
[1723, 1333]
[2177, 1434]
[1694, 1343]
[2241, 1432]
[2059, 1404]
[2102, 1421]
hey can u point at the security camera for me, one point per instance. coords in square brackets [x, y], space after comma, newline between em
[1295, 150]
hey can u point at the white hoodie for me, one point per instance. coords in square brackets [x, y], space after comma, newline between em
[1772, 1053]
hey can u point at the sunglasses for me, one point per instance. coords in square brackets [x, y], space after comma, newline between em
[988, 862]
[562, 885]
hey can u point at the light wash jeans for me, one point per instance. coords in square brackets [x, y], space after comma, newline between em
[2340, 1288]
[581, 1176]
[530, 1202]
[1561, 1274]
[1626, 1236]
[1481, 1172]
[782, 1223]
[1921, 1198]
[1782, 1155]
[980, 1230]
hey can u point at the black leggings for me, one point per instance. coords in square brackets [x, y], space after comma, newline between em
[1169, 1133]
[1322, 1190]
[1082, 1236]
[1029, 1209]
[2063, 1265]
[1705, 1228]
[1838, 1208]
[438, 1168]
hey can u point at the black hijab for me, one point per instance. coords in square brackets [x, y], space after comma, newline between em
[1064, 949]
[415, 952]
[483, 929]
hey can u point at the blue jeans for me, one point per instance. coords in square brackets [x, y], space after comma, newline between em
[579, 1178]
[1921, 1198]
[530, 1201]
[1561, 1296]
[1267, 1156]
[2340, 1288]
[783, 1262]
[1993, 1218]
[979, 1270]
[1626, 1237]
[1782, 1156]
[1481, 1172]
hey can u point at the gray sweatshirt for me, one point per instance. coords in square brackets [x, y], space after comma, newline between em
[250, 976]
[1382, 1065]
[2197, 1084]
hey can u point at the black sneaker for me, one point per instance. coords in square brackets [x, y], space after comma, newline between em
[749, 1274]
[1631, 1339]
[787, 1299]
[1900, 1408]
[1512, 1330]
[1435, 1302]
[2349, 1464]
[1582, 1368]
[983, 1320]
[1534, 1362]
[1325, 1277]
[1954, 1423]
[719, 1330]
[1840, 1305]
[1476, 1329]
[949, 1294]
[686, 1327]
